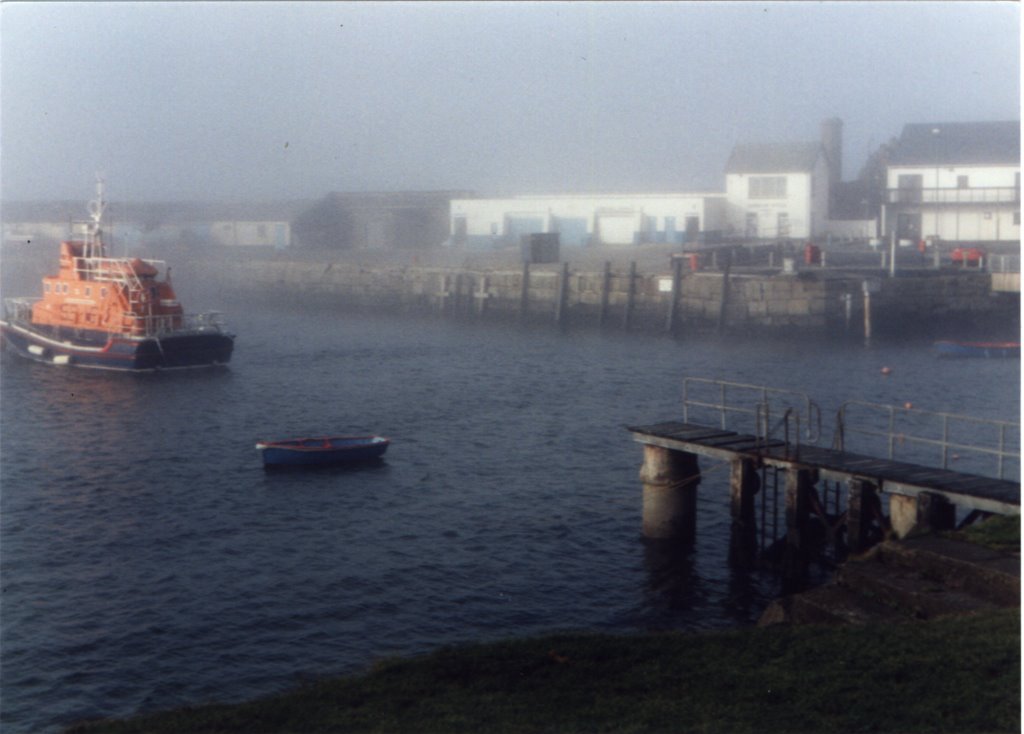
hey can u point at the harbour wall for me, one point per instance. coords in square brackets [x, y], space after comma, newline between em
[808, 301]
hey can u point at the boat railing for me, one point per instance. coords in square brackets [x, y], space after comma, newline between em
[975, 445]
[19, 309]
[116, 270]
[166, 324]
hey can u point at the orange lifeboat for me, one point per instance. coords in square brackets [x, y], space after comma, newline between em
[117, 313]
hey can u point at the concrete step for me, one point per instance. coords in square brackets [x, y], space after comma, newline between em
[907, 590]
[829, 604]
[958, 566]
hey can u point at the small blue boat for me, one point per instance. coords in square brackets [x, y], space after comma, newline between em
[323, 451]
[991, 350]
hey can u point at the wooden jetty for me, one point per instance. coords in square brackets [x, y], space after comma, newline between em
[919, 496]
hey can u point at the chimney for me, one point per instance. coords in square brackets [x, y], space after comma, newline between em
[832, 140]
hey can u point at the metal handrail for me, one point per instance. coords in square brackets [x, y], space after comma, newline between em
[159, 325]
[895, 436]
[761, 412]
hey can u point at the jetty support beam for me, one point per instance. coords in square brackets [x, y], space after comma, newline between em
[863, 507]
[670, 480]
[744, 484]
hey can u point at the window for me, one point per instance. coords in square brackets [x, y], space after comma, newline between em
[46, 287]
[103, 292]
[767, 187]
[88, 290]
[909, 185]
[64, 288]
[751, 224]
[962, 182]
[783, 224]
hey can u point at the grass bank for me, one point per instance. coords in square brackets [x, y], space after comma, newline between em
[950, 675]
[1000, 533]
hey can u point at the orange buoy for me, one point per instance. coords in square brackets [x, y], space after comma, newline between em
[908, 405]
[886, 370]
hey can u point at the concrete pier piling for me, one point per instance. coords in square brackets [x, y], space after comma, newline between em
[920, 498]
[923, 513]
[670, 480]
[799, 485]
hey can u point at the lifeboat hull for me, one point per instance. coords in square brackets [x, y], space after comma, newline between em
[98, 350]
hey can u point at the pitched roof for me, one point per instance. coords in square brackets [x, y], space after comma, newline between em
[773, 157]
[958, 142]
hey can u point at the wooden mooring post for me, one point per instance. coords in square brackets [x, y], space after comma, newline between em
[627, 317]
[673, 304]
[670, 480]
[524, 294]
[443, 293]
[562, 303]
[606, 287]
[481, 296]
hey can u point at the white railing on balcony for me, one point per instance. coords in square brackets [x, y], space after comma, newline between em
[976, 195]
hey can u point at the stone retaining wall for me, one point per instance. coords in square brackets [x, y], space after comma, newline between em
[813, 301]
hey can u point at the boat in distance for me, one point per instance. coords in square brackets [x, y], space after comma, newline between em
[322, 451]
[990, 350]
[113, 313]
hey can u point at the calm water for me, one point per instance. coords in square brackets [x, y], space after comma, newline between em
[149, 562]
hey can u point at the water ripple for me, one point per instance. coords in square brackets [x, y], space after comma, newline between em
[148, 561]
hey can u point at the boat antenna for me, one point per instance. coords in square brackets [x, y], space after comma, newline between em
[96, 207]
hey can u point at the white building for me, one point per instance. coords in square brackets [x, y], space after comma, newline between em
[598, 219]
[958, 182]
[778, 190]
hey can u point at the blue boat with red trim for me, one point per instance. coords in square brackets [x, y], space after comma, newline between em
[322, 451]
[987, 350]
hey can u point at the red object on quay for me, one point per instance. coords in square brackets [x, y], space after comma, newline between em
[812, 254]
[967, 255]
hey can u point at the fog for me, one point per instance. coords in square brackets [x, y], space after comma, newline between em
[260, 101]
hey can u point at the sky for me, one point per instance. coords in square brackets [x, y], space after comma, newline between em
[257, 101]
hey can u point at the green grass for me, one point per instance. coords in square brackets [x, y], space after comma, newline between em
[999, 532]
[951, 675]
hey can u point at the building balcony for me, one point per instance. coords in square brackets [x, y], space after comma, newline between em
[976, 195]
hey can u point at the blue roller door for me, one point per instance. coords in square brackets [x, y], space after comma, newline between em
[571, 231]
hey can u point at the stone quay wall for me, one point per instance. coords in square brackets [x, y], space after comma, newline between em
[811, 301]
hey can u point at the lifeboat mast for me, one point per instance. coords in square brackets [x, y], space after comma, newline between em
[93, 241]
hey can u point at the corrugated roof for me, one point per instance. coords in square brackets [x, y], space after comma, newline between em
[958, 142]
[773, 157]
